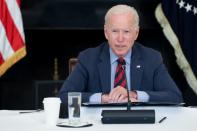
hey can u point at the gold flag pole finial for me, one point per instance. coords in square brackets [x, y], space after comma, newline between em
[55, 75]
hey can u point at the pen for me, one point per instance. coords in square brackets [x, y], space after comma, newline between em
[162, 119]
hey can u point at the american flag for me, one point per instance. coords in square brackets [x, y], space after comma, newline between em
[178, 18]
[12, 39]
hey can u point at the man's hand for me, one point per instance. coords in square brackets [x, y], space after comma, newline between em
[133, 94]
[105, 98]
[119, 95]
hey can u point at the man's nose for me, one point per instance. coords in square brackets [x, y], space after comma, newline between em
[120, 36]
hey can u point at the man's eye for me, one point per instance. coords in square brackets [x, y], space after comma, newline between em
[114, 31]
[126, 31]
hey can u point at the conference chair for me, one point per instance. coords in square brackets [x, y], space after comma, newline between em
[71, 64]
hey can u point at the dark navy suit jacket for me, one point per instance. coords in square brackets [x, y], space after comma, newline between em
[92, 75]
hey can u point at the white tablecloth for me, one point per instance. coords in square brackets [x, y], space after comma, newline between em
[178, 119]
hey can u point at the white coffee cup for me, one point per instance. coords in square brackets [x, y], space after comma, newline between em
[51, 109]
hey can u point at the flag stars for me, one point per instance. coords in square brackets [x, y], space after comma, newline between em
[181, 4]
[188, 7]
[195, 10]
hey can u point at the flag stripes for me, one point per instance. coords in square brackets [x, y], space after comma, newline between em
[12, 40]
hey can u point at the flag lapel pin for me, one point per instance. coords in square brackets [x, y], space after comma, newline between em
[138, 66]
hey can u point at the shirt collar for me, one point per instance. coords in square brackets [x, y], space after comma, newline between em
[114, 57]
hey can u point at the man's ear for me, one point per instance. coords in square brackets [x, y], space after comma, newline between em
[105, 32]
[136, 34]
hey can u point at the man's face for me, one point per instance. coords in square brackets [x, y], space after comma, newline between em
[120, 33]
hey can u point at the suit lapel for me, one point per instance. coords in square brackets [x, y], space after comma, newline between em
[105, 69]
[136, 69]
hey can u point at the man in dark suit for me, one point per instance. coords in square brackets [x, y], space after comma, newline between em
[146, 75]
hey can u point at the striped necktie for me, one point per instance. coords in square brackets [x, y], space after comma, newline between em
[120, 75]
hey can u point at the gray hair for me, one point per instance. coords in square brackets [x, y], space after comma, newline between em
[118, 9]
